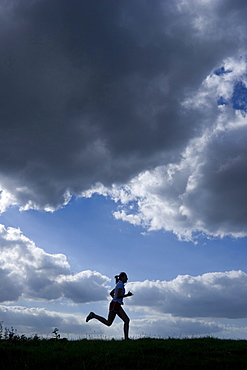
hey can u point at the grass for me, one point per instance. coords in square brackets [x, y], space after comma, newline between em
[147, 353]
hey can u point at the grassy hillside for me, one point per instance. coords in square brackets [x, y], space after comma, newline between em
[204, 353]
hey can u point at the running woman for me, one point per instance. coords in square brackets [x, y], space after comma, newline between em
[115, 308]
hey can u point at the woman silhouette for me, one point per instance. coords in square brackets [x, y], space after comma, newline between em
[115, 306]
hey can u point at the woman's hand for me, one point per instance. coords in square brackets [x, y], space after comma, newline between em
[120, 295]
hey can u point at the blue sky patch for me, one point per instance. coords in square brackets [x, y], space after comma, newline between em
[239, 96]
[222, 71]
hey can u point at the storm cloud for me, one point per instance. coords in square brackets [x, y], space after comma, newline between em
[103, 92]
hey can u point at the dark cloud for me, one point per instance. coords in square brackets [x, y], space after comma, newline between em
[203, 192]
[10, 287]
[92, 91]
[219, 199]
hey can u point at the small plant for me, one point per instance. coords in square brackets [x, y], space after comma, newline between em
[1, 329]
[55, 332]
[35, 338]
[10, 334]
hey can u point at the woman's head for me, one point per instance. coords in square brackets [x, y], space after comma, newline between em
[122, 276]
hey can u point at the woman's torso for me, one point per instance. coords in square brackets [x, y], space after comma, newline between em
[120, 285]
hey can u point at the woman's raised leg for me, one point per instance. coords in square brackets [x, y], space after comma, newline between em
[109, 321]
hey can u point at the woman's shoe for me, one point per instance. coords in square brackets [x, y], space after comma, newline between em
[89, 317]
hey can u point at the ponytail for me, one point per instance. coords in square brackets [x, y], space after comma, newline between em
[118, 277]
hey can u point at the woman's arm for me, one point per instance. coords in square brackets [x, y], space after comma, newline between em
[120, 295]
[112, 293]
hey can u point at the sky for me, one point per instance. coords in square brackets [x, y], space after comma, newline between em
[123, 135]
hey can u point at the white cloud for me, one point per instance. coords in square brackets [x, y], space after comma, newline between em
[184, 306]
[41, 321]
[218, 294]
[30, 321]
[6, 200]
[86, 286]
[167, 326]
[28, 272]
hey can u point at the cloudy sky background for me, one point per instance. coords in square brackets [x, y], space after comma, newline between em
[123, 148]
